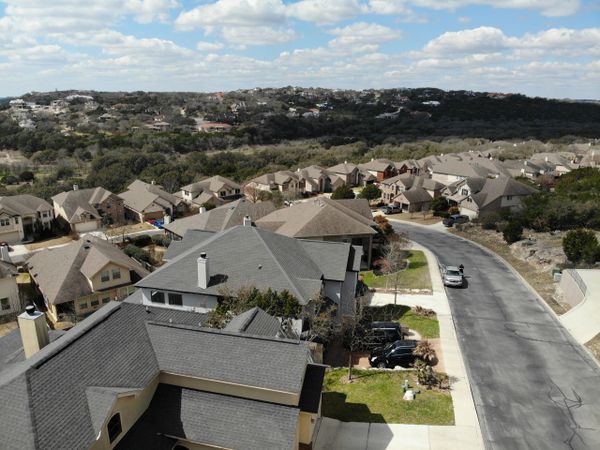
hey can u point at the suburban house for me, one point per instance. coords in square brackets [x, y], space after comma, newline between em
[88, 209]
[525, 168]
[146, 201]
[460, 190]
[212, 191]
[559, 163]
[392, 187]
[324, 219]
[410, 166]
[20, 214]
[220, 218]
[495, 195]
[207, 265]
[77, 279]
[379, 168]
[258, 322]
[452, 170]
[132, 377]
[283, 181]
[10, 302]
[317, 179]
[349, 172]
[214, 127]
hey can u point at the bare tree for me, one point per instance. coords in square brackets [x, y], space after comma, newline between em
[394, 260]
[322, 318]
[353, 332]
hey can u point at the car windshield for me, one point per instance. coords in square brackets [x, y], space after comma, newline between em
[453, 273]
[389, 346]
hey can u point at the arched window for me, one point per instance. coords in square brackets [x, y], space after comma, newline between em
[114, 427]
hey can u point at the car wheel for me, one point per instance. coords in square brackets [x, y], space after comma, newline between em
[381, 365]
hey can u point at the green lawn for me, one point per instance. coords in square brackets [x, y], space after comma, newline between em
[416, 276]
[427, 327]
[376, 396]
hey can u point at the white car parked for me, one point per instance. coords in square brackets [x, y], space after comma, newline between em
[452, 276]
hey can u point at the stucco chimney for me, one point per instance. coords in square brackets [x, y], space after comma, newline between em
[75, 187]
[34, 330]
[203, 272]
[201, 210]
[153, 182]
[167, 219]
[247, 221]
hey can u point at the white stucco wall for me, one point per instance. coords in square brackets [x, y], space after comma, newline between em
[191, 302]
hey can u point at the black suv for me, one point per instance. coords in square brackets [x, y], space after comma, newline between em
[455, 218]
[381, 333]
[399, 353]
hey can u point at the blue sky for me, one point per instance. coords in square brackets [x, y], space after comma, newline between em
[547, 48]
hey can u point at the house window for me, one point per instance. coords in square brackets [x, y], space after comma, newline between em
[104, 276]
[175, 299]
[106, 300]
[222, 194]
[4, 303]
[157, 297]
[4, 222]
[114, 427]
[509, 197]
[44, 214]
[108, 206]
[95, 303]
[237, 191]
[116, 274]
[464, 192]
[16, 220]
[83, 305]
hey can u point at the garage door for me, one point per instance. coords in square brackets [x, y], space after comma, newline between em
[11, 238]
[86, 226]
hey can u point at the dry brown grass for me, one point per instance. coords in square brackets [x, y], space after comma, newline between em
[49, 243]
[7, 327]
[420, 218]
[126, 229]
[542, 282]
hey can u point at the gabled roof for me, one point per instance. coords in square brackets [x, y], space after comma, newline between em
[222, 217]
[276, 178]
[461, 168]
[316, 218]
[212, 184]
[344, 168]
[501, 187]
[62, 273]
[378, 165]
[415, 195]
[23, 205]
[255, 321]
[56, 398]
[81, 201]
[145, 197]
[243, 256]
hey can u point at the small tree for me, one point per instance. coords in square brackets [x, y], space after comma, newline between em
[370, 192]
[343, 192]
[581, 245]
[353, 332]
[513, 232]
[394, 260]
[439, 204]
[425, 351]
[26, 175]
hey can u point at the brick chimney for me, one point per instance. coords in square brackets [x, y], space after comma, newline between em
[34, 330]
[203, 271]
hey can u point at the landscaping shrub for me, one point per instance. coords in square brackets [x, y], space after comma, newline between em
[581, 245]
[439, 205]
[425, 351]
[141, 241]
[343, 192]
[453, 210]
[26, 175]
[423, 312]
[161, 239]
[370, 192]
[137, 253]
[489, 221]
[513, 232]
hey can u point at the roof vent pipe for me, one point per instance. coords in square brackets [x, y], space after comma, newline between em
[203, 271]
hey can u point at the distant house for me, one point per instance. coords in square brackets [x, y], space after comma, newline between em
[380, 168]
[349, 172]
[10, 302]
[211, 191]
[392, 187]
[410, 166]
[146, 201]
[159, 126]
[414, 200]
[220, 218]
[88, 209]
[324, 219]
[317, 179]
[558, 163]
[206, 265]
[215, 127]
[283, 181]
[495, 195]
[77, 279]
[134, 377]
[19, 214]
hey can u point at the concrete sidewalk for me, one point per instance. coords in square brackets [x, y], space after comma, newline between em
[464, 435]
[582, 319]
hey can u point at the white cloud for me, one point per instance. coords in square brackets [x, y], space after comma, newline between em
[209, 46]
[325, 11]
[361, 33]
[482, 39]
[549, 8]
[245, 36]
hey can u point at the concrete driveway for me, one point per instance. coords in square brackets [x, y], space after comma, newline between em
[534, 387]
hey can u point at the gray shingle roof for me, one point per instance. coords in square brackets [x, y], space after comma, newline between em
[414, 195]
[317, 218]
[80, 201]
[495, 188]
[23, 205]
[212, 184]
[255, 321]
[222, 217]
[343, 168]
[55, 399]
[216, 420]
[61, 272]
[239, 257]
[144, 197]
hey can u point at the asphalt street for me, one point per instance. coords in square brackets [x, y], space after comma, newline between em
[534, 386]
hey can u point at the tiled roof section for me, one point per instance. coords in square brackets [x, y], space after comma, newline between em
[216, 420]
[190, 238]
[100, 402]
[144, 197]
[310, 398]
[255, 321]
[316, 218]
[230, 357]
[500, 187]
[378, 165]
[331, 257]
[222, 217]
[212, 184]
[61, 272]
[7, 269]
[343, 168]
[414, 195]
[11, 346]
[80, 201]
[242, 256]
[276, 178]
[358, 205]
[23, 205]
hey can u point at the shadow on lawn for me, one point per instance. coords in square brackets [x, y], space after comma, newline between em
[336, 407]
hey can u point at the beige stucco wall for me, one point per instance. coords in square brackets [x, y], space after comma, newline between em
[98, 285]
[130, 408]
[306, 427]
[237, 390]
